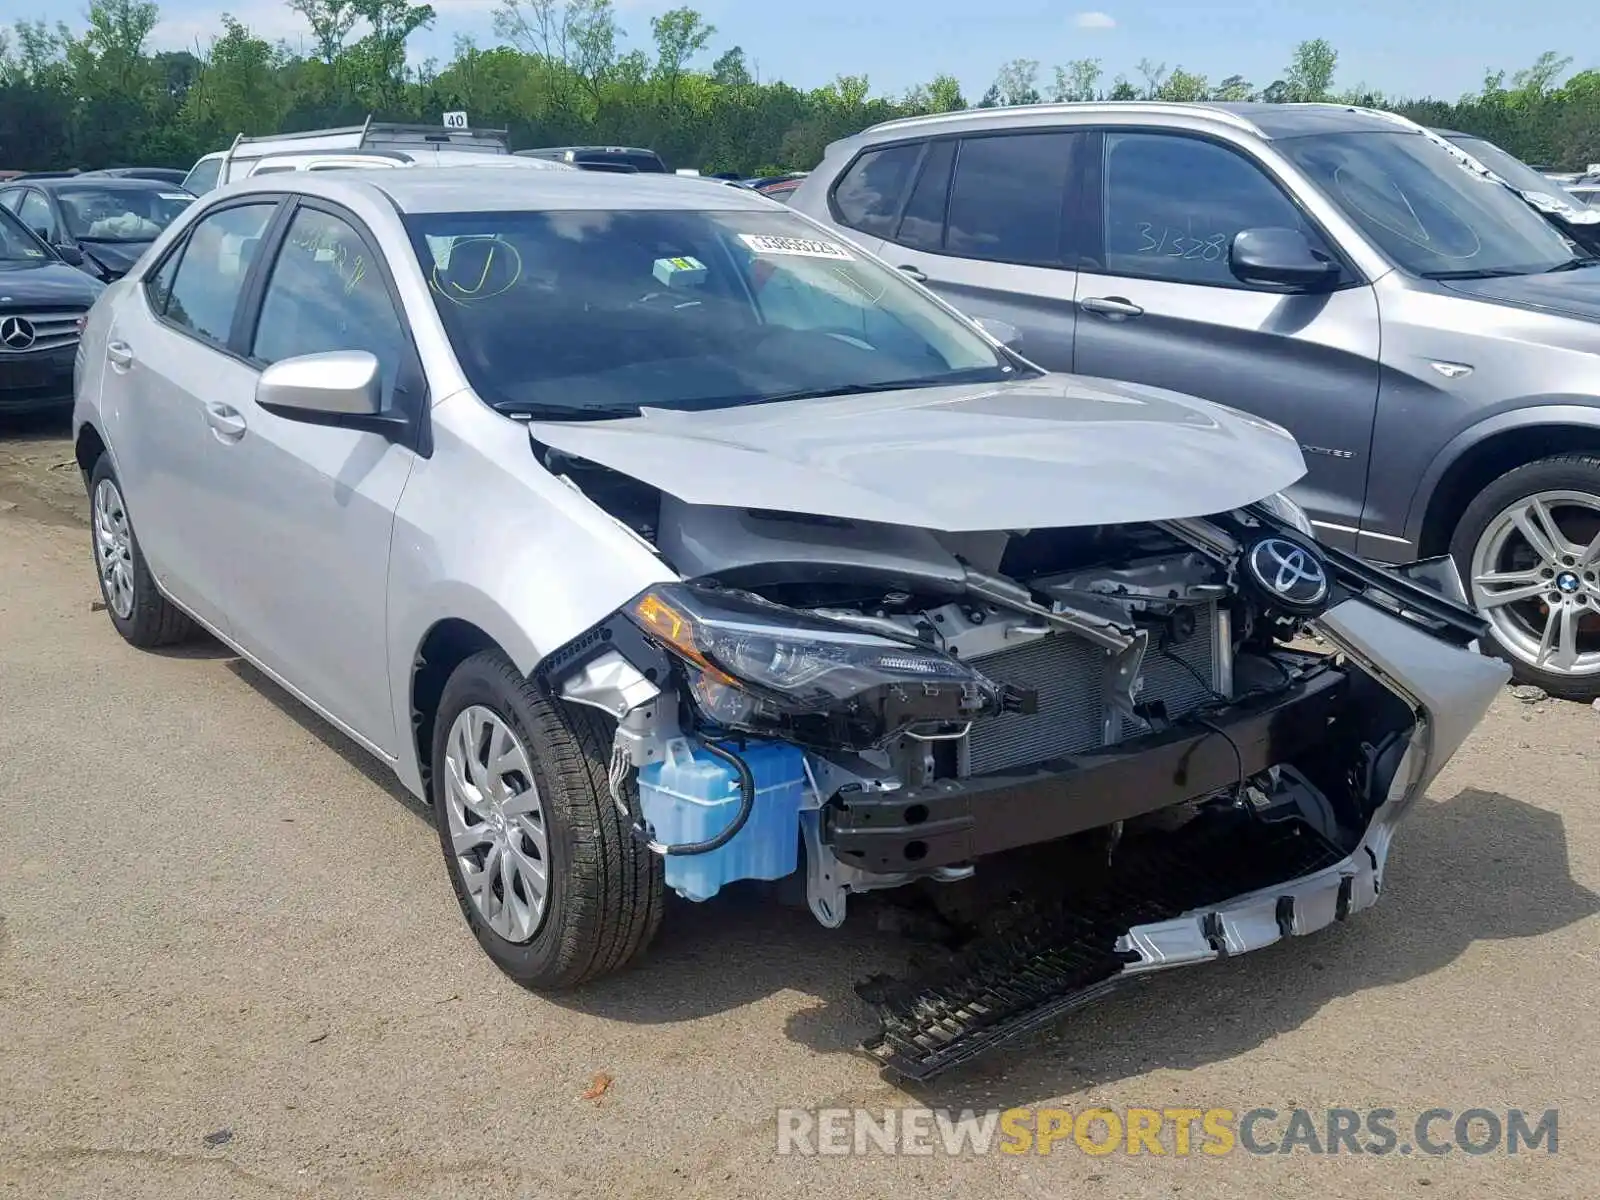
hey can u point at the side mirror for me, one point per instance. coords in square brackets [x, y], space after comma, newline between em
[70, 255]
[343, 388]
[43, 234]
[1279, 257]
[1004, 333]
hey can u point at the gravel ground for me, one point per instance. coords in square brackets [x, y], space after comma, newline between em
[231, 966]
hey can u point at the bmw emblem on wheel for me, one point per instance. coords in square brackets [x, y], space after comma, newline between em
[1289, 573]
[16, 333]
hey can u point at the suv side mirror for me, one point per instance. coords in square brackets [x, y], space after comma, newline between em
[1279, 257]
[342, 388]
[70, 255]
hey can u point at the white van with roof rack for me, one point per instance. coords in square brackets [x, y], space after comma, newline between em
[402, 145]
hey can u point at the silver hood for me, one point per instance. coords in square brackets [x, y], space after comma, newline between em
[1053, 451]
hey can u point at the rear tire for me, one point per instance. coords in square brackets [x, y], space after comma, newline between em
[602, 889]
[140, 613]
[1528, 549]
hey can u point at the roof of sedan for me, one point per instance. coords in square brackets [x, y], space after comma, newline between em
[109, 183]
[492, 189]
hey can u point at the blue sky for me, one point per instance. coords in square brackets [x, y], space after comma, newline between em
[1438, 47]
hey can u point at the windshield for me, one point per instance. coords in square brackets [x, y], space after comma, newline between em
[598, 313]
[1431, 215]
[1513, 170]
[202, 177]
[625, 160]
[119, 214]
[16, 243]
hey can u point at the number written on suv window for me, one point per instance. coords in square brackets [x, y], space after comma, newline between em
[1173, 205]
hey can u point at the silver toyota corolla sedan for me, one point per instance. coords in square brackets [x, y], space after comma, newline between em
[663, 542]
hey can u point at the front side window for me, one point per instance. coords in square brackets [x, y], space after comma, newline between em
[211, 271]
[36, 215]
[1428, 213]
[325, 293]
[1173, 205]
[591, 313]
[94, 214]
[922, 225]
[868, 197]
[1007, 197]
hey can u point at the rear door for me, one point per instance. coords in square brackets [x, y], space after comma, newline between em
[170, 379]
[1160, 306]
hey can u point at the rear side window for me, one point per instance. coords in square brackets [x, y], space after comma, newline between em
[922, 227]
[868, 196]
[210, 276]
[1007, 198]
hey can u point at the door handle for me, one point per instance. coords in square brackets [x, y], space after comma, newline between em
[227, 423]
[911, 272]
[120, 354]
[1112, 308]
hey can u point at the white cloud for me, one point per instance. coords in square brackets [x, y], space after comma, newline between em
[1094, 20]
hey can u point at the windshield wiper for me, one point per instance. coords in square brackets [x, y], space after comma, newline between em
[562, 412]
[1480, 273]
[892, 385]
[1572, 264]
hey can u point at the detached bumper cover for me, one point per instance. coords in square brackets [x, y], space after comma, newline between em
[1223, 896]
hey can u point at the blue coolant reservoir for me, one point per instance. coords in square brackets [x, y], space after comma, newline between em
[691, 796]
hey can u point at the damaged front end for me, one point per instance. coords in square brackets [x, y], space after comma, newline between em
[1132, 712]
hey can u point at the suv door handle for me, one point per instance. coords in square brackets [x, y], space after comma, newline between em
[120, 354]
[1112, 308]
[228, 423]
[911, 272]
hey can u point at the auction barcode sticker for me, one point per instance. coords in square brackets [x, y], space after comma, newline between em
[763, 243]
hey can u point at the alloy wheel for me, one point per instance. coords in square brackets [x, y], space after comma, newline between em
[1536, 580]
[113, 545]
[498, 831]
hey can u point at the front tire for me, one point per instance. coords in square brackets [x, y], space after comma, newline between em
[141, 614]
[548, 876]
[1528, 548]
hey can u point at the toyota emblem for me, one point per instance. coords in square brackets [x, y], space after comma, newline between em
[1289, 573]
[16, 333]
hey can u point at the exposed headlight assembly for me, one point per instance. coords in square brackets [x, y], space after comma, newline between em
[763, 668]
[1290, 513]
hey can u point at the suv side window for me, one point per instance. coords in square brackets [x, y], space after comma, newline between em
[1007, 198]
[922, 227]
[868, 195]
[205, 289]
[202, 176]
[1173, 204]
[36, 215]
[326, 293]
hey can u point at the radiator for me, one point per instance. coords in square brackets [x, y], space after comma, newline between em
[1069, 675]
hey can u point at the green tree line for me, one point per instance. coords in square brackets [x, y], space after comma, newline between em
[563, 71]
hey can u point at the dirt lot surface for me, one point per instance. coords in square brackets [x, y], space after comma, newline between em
[231, 966]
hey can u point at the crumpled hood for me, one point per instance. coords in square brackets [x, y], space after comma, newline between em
[1573, 293]
[1048, 452]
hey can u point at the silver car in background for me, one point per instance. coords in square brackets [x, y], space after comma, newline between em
[660, 541]
[1427, 331]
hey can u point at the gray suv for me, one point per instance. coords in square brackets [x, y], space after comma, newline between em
[1432, 342]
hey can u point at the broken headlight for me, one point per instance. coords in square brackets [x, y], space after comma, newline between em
[763, 668]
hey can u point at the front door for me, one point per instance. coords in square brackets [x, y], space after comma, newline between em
[311, 506]
[1161, 307]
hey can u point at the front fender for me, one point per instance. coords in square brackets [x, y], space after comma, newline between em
[484, 534]
[1545, 411]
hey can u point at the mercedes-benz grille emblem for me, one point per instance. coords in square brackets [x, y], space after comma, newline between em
[1289, 572]
[16, 333]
